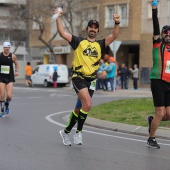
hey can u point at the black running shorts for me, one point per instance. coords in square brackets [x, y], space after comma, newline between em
[6, 80]
[160, 92]
[79, 84]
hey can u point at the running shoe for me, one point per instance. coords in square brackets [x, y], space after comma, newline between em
[78, 138]
[151, 143]
[65, 137]
[7, 111]
[2, 114]
[149, 120]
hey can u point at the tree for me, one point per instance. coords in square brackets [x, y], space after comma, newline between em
[40, 16]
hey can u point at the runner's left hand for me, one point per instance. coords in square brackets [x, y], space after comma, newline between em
[116, 18]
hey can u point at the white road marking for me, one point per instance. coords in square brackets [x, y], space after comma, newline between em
[59, 95]
[136, 129]
[36, 97]
[53, 94]
[48, 117]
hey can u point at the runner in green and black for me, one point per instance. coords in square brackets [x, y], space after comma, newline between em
[160, 76]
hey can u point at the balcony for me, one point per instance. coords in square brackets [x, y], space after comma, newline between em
[5, 24]
[21, 2]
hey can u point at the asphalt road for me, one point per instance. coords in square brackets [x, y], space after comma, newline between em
[29, 138]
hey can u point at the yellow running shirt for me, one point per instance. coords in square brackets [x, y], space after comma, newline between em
[86, 57]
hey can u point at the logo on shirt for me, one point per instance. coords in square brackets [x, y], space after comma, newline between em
[167, 70]
[90, 51]
[168, 49]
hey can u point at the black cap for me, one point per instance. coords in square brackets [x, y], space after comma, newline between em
[166, 27]
[92, 21]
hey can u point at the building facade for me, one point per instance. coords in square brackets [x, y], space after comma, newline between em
[13, 26]
[135, 30]
[130, 27]
[145, 54]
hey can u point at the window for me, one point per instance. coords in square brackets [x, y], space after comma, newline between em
[4, 12]
[36, 70]
[88, 14]
[4, 37]
[35, 22]
[21, 11]
[121, 9]
[110, 10]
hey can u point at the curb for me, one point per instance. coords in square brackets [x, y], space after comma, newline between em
[162, 133]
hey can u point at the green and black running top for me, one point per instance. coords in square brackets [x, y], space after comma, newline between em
[86, 57]
[161, 61]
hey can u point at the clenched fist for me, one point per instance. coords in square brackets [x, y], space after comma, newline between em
[116, 18]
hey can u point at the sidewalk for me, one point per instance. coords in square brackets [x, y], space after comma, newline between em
[119, 127]
[19, 82]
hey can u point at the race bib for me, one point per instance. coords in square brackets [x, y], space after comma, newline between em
[93, 85]
[5, 69]
[167, 70]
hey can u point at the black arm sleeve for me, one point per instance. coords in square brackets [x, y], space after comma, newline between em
[156, 29]
[75, 41]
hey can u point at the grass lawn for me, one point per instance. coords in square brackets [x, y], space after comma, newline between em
[129, 111]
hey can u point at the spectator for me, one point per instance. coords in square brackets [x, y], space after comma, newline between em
[127, 78]
[101, 74]
[135, 75]
[106, 62]
[106, 59]
[118, 79]
[123, 74]
[28, 73]
[111, 73]
[55, 76]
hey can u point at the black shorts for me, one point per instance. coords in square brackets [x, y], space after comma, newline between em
[160, 92]
[6, 79]
[79, 84]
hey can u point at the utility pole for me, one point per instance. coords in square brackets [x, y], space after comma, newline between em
[28, 57]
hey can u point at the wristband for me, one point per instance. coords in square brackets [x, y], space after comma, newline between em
[117, 23]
